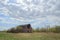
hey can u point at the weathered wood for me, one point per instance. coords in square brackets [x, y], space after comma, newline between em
[22, 28]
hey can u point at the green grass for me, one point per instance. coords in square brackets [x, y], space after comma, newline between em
[29, 36]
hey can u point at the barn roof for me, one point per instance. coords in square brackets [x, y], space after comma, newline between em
[24, 25]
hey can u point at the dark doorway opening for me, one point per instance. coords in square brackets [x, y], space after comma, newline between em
[28, 26]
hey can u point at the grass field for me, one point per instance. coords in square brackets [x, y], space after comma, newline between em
[29, 36]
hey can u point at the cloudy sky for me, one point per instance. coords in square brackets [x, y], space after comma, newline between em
[38, 13]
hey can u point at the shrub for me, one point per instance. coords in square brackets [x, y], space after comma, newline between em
[11, 30]
[15, 30]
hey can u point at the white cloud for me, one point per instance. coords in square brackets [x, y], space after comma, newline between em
[31, 11]
[4, 11]
[4, 1]
[19, 1]
[42, 8]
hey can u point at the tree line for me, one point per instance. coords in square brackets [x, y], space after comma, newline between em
[55, 29]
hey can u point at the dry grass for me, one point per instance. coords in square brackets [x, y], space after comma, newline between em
[29, 36]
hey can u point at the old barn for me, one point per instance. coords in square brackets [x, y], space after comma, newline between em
[21, 28]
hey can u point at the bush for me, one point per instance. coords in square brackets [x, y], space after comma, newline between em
[57, 29]
[11, 30]
[43, 30]
[15, 30]
[19, 29]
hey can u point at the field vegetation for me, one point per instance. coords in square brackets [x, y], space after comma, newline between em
[52, 33]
